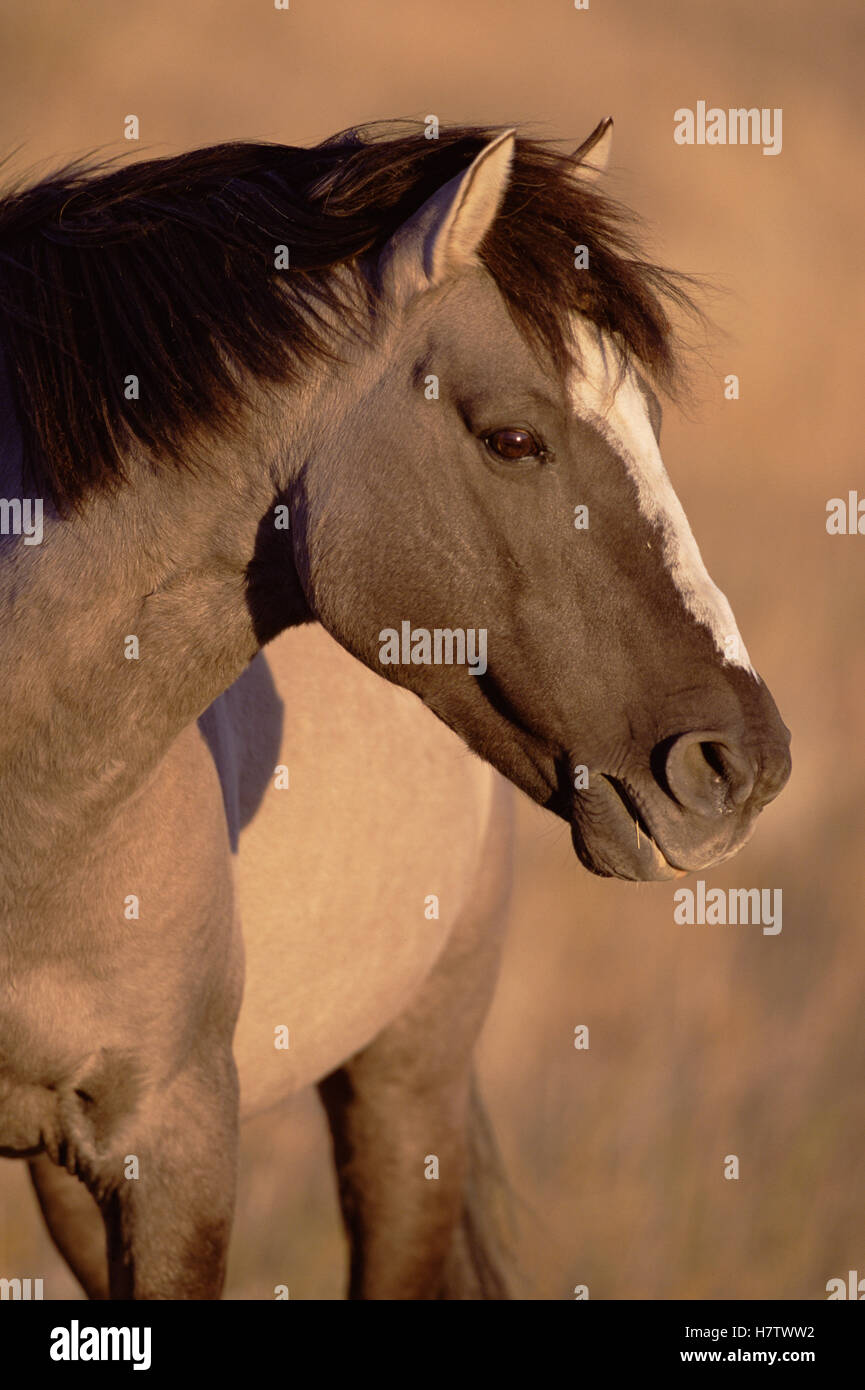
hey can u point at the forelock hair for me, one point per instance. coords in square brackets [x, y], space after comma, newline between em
[165, 269]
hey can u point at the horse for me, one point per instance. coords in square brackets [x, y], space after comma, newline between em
[334, 510]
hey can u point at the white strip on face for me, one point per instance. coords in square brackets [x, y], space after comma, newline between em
[608, 398]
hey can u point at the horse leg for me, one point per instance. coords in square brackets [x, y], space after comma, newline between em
[168, 1197]
[161, 1221]
[413, 1154]
[401, 1116]
[74, 1222]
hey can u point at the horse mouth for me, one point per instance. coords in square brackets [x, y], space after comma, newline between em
[612, 837]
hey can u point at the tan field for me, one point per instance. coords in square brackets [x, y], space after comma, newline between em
[706, 1041]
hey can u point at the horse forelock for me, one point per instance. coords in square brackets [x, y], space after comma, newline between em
[165, 270]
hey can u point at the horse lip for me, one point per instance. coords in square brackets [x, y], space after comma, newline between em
[630, 802]
[626, 801]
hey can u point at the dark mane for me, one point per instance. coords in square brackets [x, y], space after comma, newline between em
[164, 269]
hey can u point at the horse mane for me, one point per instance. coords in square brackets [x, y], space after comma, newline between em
[165, 269]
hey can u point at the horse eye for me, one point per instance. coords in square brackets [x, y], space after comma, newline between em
[513, 444]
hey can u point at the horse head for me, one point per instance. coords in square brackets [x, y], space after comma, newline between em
[477, 480]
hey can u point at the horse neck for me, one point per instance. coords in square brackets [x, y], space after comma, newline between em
[85, 720]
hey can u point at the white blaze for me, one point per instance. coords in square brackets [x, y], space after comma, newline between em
[606, 395]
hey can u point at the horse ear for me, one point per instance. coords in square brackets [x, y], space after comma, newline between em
[599, 146]
[444, 235]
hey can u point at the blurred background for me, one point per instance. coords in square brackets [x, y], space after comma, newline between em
[705, 1041]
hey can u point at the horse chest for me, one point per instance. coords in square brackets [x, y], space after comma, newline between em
[349, 879]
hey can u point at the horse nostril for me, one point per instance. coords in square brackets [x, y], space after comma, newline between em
[707, 775]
